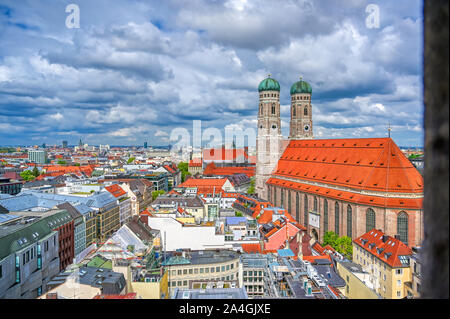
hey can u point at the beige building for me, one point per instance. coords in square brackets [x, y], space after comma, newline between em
[357, 280]
[202, 266]
[387, 261]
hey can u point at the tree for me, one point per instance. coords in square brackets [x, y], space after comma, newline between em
[27, 175]
[131, 160]
[330, 238]
[62, 162]
[183, 167]
[35, 172]
[344, 246]
[155, 194]
[251, 189]
[238, 214]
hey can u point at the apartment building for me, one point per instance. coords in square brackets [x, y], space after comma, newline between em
[188, 267]
[388, 261]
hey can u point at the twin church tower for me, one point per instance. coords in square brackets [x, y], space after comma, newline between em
[269, 141]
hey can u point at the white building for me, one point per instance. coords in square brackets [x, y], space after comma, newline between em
[175, 235]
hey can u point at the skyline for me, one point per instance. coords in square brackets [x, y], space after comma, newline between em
[134, 71]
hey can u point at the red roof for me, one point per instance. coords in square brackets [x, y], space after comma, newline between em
[223, 154]
[373, 164]
[212, 169]
[205, 185]
[312, 259]
[318, 248]
[196, 162]
[115, 190]
[385, 248]
[251, 248]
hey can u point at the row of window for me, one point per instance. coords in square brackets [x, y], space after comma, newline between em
[180, 283]
[301, 97]
[402, 217]
[269, 95]
[253, 273]
[205, 270]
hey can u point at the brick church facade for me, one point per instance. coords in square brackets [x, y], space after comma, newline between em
[348, 186]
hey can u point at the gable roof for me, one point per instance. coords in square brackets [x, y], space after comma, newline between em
[374, 164]
[385, 248]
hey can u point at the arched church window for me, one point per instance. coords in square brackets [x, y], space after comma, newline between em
[273, 108]
[402, 227]
[370, 219]
[289, 202]
[305, 213]
[336, 218]
[325, 215]
[293, 110]
[297, 207]
[315, 204]
[305, 111]
[349, 221]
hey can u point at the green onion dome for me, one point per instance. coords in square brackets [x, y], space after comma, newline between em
[301, 87]
[269, 84]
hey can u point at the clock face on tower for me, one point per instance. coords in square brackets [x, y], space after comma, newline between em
[306, 128]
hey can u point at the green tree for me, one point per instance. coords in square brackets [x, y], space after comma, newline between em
[35, 172]
[27, 175]
[238, 214]
[251, 189]
[77, 164]
[183, 167]
[344, 246]
[155, 194]
[330, 238]
[62, 162]
[131, 160]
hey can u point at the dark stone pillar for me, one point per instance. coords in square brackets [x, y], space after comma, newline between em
[435, 254]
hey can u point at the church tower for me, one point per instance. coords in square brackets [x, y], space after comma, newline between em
[269, 139]
[301, 126]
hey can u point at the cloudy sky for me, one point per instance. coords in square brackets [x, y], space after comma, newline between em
[135, 70]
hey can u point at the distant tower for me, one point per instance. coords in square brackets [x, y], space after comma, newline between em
[145, 144]
[269, 138]
[64, 144]
[301, 126]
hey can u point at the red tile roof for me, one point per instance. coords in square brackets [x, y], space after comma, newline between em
[380, 201]
[131, 295]
[224, 154]
[251, 248]
[115, 190]
[374, 164]
[385, 248]
[212, 169]
[196, 162]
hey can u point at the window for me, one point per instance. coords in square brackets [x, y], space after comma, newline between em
[201, 270]
[179, 283]
[174, 272]
[349, 221]
[297, 209]
[184, 271]
[305, 212]
[384, 277]
[399, 283]
[196, 271]
[399, 294]
[282, 197]
[398, 271]
[184, 282]
[315, 204]
[228, 267]
[336, 218]
[289, 202]
[402, 227]
[218, 269]
[293, 110]
[273, 108]
[305, 112]
[190, 271]
[325, 215]
[370, 219]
